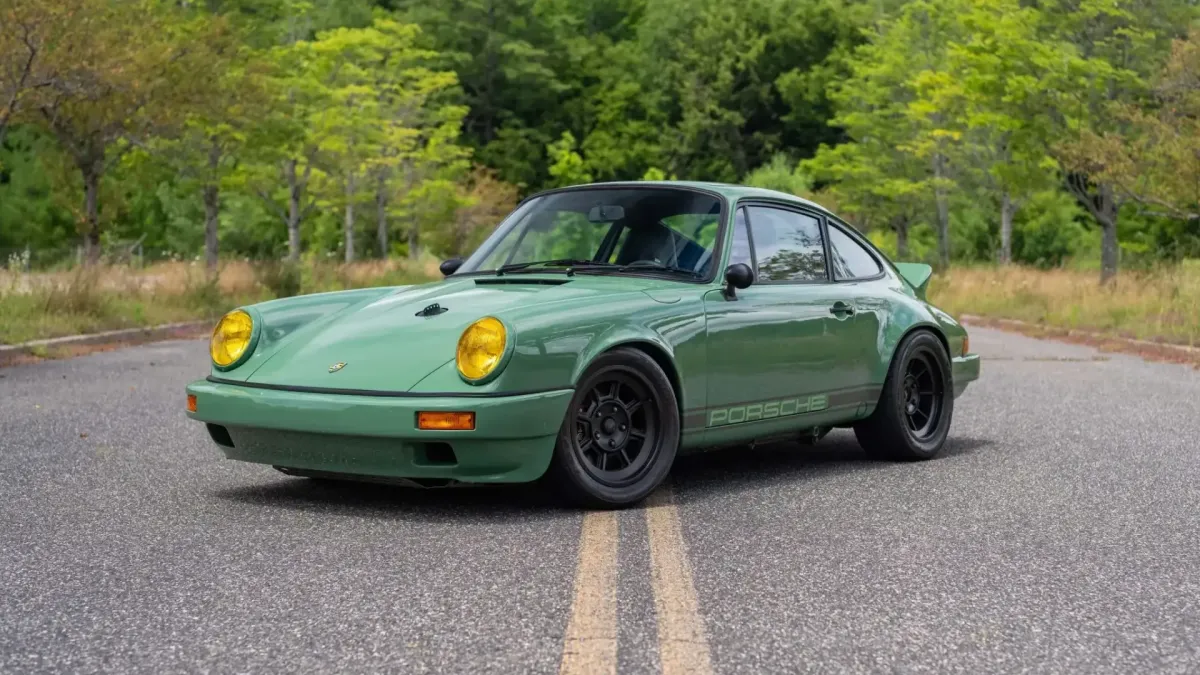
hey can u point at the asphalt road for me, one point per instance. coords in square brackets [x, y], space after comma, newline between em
[1059, 533]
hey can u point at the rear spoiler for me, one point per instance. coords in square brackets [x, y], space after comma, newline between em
[917, 275]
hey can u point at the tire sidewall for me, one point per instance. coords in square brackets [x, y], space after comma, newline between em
[581, 485]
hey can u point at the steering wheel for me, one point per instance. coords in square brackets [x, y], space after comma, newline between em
[644, 263]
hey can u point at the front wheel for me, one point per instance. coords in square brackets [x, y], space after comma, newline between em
[912, 419]
[620, 434]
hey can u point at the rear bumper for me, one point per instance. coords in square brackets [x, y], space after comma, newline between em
[964, 370]
[513, 439]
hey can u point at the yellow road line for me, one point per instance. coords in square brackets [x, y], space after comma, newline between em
[682, 645]
[590, 645]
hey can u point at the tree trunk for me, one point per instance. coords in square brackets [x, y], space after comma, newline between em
[212, 212]
[92, 172]
[900, 225]
[1110, 250]
[413, 230]
[1007, 210]
[943, 211]
[381, 218]
[212, 208]
[413, 238]
[293, 215]
[349, 220]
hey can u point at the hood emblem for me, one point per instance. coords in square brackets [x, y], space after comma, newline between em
[337, 366]
[432, 310]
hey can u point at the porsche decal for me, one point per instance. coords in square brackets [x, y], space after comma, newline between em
[764, 411]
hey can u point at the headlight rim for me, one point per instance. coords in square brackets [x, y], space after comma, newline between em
[255, 332]
[509, 346]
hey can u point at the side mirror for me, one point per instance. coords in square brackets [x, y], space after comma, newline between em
[737, 275]
[450, 266]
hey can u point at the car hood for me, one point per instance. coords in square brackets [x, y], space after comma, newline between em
[392, 342]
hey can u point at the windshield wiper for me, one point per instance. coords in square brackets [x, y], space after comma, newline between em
[569, 263]
[660, 268]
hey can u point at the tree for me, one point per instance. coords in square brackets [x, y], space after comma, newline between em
[872, 183]
[998, 89]
[420, 128]
[743, 80]
[896, 105]
[130, 70]
[283, 145]
[1156, 160]
[1120, 44]
[483, 202]
[505, 54]
[205, 152]
[28, 31]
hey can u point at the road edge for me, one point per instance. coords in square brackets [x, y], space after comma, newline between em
[77, 345]
[1145, 349]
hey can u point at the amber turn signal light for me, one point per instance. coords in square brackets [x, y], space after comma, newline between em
[966, 345]
[191, 403]
[446, 421]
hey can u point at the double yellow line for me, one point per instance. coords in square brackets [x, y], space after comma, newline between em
[590, 645]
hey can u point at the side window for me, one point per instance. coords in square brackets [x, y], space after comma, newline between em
[850, 260]
[787, 245]
[739, 252]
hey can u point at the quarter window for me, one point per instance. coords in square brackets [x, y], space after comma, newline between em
[787, 245]
[850, 259]
[740, 252]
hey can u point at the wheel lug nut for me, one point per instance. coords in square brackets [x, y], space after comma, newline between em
[622, 427]
[597, 435]
[612, 444]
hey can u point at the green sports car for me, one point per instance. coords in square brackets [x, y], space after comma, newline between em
[597, 333]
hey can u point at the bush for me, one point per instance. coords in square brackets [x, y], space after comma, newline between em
[282, 279]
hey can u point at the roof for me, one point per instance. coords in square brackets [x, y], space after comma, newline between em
[728, 190]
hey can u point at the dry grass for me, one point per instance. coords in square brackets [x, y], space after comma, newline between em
[87, 300]
[1162, 305]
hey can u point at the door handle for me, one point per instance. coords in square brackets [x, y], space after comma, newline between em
[841, 309]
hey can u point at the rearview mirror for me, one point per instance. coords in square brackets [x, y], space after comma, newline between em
[450, 266]
[606, 213]
[737, 275]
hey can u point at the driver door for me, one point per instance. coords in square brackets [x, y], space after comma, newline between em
[781, 354]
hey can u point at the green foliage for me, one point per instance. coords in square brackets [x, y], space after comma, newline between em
[781, 174]
[566, 166]
[945, 129]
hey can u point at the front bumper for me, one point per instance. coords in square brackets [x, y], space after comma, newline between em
[513, 439]
[964, 370]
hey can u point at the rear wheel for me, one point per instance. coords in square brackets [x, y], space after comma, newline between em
[620, 434]
[912, 419]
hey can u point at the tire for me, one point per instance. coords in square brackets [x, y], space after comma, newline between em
[616, 445]
[913, 417]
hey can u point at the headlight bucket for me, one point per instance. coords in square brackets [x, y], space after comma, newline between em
[483, 350]
[234, 338]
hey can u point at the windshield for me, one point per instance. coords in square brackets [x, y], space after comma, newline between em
[606, 230]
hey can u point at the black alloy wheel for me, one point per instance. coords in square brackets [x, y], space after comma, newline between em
[620, 434]
[615, 429]
[924, 390]
[912, 419]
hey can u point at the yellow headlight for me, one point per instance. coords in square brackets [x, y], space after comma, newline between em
[231, 338]
[481, 347]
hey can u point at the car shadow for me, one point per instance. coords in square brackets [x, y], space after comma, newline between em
[694, 476]
[748, 468]
[469, 504]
